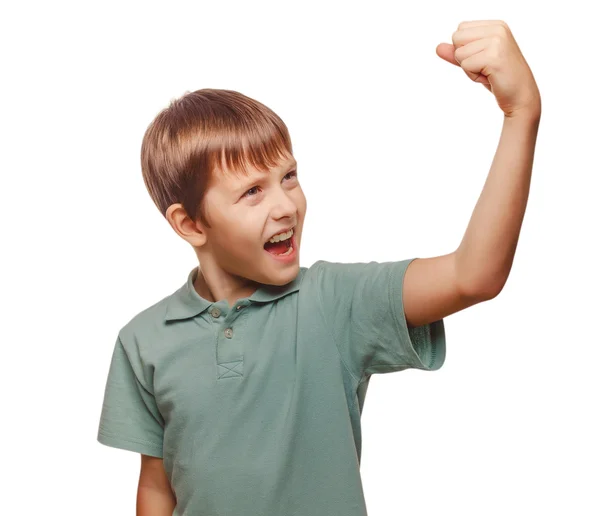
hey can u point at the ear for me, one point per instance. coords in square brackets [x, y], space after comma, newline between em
[191, 231]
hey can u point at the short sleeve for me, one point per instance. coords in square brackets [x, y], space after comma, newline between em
[130, 418]
[363, 305]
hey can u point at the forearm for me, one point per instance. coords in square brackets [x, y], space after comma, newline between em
[485, 255]
[154, 502]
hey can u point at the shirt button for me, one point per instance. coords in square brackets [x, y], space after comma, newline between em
[239, 307]
[228, 333]
[215, 312]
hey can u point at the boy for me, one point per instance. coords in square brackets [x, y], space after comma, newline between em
[243, 389]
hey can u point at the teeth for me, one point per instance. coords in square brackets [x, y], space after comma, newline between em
[289, 251]
[282, 236]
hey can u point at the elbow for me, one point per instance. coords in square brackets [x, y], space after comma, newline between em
[478, 280]
[484, 290]
[489, 290]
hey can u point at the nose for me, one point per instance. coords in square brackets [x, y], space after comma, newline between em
[283, 205]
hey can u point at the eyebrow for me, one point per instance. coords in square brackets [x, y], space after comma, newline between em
[255, 178]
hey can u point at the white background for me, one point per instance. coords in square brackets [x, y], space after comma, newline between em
[393, 146]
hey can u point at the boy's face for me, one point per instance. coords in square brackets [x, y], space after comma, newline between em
[245, 213]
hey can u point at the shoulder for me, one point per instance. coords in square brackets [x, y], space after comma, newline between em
[338, 281]
[310, 276]
[320, 267]
[326, 279]
[325, 273]
[147, 324]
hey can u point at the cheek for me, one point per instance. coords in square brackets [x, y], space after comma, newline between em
[303, 207]
[245, 229]
[301, 202]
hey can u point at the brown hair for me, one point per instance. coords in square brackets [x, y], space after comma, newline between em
[198, 134]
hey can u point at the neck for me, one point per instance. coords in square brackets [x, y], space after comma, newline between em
[215, 284]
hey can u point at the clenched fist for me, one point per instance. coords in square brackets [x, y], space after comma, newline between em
[488, 53]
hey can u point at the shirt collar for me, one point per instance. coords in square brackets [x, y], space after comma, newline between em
[186, 302]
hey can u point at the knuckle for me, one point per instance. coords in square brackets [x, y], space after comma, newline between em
[502, 30]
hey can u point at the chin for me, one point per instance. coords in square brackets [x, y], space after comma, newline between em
[284, 277]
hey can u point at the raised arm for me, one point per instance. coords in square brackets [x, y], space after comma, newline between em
[477, 271]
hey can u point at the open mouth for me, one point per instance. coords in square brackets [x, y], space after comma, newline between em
[281, 247]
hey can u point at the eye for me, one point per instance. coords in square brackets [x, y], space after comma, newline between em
[249, 191]
[293, 173]
[254, 190]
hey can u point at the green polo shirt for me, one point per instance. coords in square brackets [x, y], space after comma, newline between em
[255, 409]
